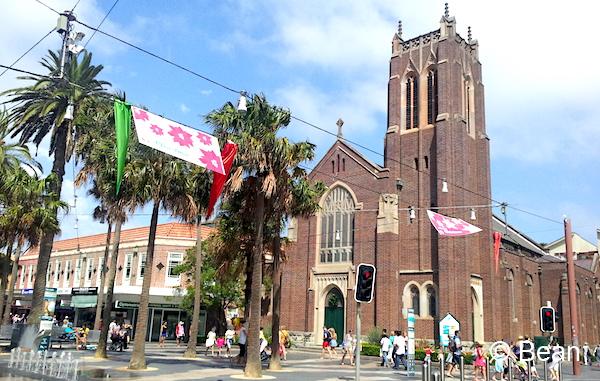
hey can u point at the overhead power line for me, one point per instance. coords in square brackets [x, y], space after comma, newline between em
[47, 6]
[26, 52]
[101, 22]
[229, 88]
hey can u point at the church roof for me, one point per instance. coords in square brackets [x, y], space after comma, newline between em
[510, 234]
[355, 154]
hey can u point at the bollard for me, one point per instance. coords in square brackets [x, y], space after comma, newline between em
[442, 359]
[488, 375]
[462, 368]
[424, 371]
[510, 370]
[44, 362]
[13, 353]
[52, 365]
[529, 378]
[560, 377]
[75, 369]
[435, 376]
[429, 369]
[545, 365]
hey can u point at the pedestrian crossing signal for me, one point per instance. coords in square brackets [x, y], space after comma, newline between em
[365, 283]
[547, 319]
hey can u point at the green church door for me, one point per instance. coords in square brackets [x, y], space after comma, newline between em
[334, 312]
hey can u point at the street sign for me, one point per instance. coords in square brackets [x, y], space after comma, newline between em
[448, 325]
[411, 342]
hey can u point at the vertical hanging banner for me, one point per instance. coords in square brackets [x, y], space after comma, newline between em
[228, 154]
[178, 140]
[451, 227]
[122, 126]
[497, 241]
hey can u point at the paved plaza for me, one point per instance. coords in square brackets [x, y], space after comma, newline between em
[303, 365]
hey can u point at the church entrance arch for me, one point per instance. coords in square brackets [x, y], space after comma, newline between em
[334, 311]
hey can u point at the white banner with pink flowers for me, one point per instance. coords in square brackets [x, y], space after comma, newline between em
[451, 227]
[178, 140]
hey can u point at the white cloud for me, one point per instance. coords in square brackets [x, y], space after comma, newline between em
[184, 108]
[205, 92]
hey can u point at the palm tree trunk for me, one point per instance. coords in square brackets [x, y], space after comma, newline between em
[45, 247]
[100, 304]
[190, 351]
[138, 359]
[4, 277]
[248, 285]
[112, 273]
[275, 363]
[253, 364]
[11, 286]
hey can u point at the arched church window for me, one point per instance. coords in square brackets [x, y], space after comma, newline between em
[337, 227]
[432, 96]
[415, 300]
[412, 103]
[431, 301]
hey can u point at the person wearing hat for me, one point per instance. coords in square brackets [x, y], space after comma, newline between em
[179, 333]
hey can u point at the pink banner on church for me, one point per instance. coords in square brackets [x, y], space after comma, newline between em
[451, 227]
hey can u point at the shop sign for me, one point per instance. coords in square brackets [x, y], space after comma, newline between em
[84, 291]
[122, 304]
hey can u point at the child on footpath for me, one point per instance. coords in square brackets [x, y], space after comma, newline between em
[220, 345]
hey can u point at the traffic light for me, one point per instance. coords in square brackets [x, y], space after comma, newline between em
[365, 283]
[547, 319]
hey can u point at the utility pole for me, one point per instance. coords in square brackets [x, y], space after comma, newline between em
[572, 294]
[358, 346]
[63, 27]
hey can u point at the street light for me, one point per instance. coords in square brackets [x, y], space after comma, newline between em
[241, 107]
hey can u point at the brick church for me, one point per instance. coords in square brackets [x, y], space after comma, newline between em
[436, 156]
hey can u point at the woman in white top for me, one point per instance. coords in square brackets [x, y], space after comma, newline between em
[210, 341]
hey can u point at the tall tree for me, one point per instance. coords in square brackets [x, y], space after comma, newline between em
[13, 155]
[97, 150]
[31, 212]
[158, 179]
[190, 208]
[255, 132]
[39, 110]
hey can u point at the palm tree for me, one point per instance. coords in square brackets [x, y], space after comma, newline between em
[190, 208]
[296, 196]
[97, 150]
[42, 109]
[255, 132]
[157, 178]
[32, 213]
[13, 155]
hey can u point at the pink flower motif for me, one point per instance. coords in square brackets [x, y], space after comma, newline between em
[157, 130]
[140, 114]
[211, 160]
[180, 136]
[204, 138]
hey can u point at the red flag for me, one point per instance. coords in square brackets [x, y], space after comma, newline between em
[228, 154]
[497, 239]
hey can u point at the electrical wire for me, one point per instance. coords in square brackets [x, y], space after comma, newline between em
[101, 22]
[28, 50]
[47, 6]
[75, 6]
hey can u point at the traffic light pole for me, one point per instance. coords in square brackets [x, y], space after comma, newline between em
[358, 345]
[572, 294]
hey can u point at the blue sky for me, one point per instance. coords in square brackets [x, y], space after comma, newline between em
[326, 60]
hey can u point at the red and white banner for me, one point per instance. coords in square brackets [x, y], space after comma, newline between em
[228, 154]
[451, 227]
[178, 140]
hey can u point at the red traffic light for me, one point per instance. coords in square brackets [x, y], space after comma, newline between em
[548, 313]
[367, 274]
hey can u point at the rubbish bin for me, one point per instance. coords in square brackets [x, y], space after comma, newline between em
[17, 333]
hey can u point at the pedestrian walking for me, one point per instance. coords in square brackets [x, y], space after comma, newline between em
[284, 340]
[163, 334]
[326, 343]
[211, 341]
[556, 360]
[400, 344]
[385, 347]
[333, 342]
[229, 335]
[455, 347]
[586, 354]
[479, 363]
[179, 333]
[348, 348]
[242, 341]
[597, 354]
